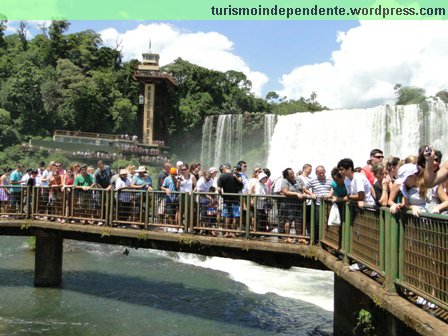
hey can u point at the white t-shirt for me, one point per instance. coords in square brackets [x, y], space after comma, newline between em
[359, 183]
[204, 185]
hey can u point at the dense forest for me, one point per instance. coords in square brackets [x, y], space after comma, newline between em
[60, 80]
[71, 81]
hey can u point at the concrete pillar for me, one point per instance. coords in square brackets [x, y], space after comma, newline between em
[349, 301]
[48, 262]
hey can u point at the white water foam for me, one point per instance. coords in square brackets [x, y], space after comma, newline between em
[304, 284]
[328, 136]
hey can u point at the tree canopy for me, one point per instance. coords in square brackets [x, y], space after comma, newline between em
[60, 80]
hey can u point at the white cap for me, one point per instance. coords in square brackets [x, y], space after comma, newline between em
[212, 170]
[179, 163]
[405, 171]
[261, 176]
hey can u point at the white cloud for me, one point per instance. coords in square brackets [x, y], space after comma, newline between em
[208, 49]
[371, 59]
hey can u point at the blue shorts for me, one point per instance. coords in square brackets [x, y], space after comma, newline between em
[231, 211]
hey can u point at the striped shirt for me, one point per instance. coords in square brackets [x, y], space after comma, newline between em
[319, 187]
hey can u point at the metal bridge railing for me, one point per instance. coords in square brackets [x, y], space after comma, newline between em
[367, 237]
[14, 201]
[166, 212]
[331, 235]
[423, 256]
[410, 252]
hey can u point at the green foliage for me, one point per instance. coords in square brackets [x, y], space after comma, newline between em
[407, 95]
[56, 80]
[124, 114]
[294, 106]
[364, 327]
[443, 95]
[8, 133]
[202, 92]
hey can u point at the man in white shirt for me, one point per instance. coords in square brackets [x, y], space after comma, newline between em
[357, 184]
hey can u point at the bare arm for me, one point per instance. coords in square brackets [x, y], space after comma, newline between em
[288, 193]
[431, 178]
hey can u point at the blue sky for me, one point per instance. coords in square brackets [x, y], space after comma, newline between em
[273, 47]
[349, 64]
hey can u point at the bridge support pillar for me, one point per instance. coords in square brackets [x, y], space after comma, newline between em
[355, 313]
[48, 262]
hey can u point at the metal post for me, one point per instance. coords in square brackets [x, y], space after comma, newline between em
[247, 214]
[346, 226]
[312, 220]
[247, 228]
[148, 194]
[191, 221]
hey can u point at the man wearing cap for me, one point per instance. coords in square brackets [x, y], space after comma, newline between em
[170, 185]
[357, 184]
[229, 183]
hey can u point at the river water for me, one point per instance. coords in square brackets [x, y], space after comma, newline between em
[147, 292]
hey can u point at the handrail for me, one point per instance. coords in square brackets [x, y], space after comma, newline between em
[407, 252]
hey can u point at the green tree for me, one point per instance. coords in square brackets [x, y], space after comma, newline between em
[124, 115]
[3, 27]
[8, 133]
[407, 95]
[21, 96]
[443, 95]
[58, 41]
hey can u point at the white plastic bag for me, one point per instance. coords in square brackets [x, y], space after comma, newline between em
[334, 218]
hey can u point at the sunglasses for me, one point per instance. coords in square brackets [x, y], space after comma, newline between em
[379, 156]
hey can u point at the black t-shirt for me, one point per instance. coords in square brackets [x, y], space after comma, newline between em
[230, 185]
[103, 176]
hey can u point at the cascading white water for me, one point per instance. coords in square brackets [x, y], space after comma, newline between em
[207, 151]
[222, 138]
[328, 136]
[269, 124]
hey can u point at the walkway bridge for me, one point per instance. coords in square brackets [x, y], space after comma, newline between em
[403, 258]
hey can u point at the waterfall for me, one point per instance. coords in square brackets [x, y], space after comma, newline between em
[222, 140]
[326, 137]
[207, 151]
[269, 124]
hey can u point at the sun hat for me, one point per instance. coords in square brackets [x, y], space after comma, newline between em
[140, 169]
[405, 171]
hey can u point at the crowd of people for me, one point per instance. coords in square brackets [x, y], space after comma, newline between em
[416, 182]
[137, 149]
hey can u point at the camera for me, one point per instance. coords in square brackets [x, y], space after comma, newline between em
[428, 151]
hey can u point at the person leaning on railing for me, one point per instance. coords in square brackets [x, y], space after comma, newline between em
[83, 183]
[291, 206]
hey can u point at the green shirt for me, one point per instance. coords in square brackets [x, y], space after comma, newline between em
[82, 181]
